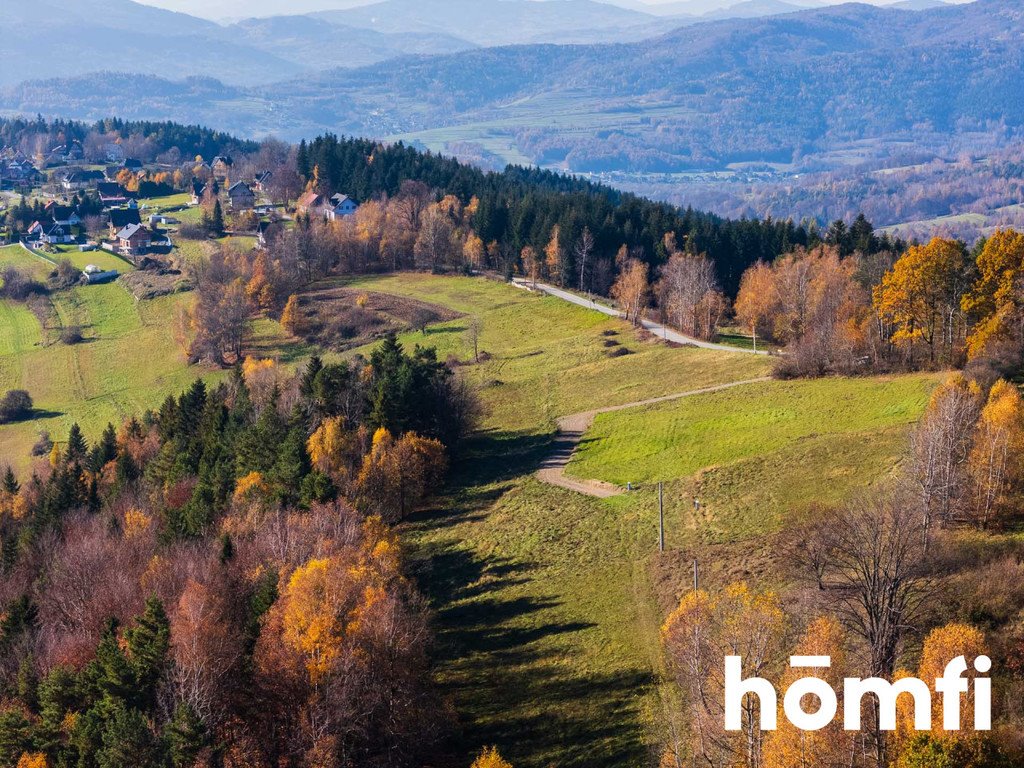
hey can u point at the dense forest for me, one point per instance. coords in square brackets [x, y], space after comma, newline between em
[216, 583]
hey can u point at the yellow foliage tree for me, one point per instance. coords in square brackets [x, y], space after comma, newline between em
[791, 747]
[995, 462]
[489, 758]
[995, 299]
[553, 256]
[398, 474]
[251, 485]
[473, 250]
[291, 318]
[332, 447]
[136, 522]
[33, 760]
[920, 296]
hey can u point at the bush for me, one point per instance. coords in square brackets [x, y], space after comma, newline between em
[14, 406]
[43, 445]
[71, 335]
[193, 232]
[17, 285]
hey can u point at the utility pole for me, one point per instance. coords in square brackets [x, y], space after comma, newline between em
[661, 517]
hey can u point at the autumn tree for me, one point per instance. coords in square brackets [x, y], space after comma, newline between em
[398, 474]
[940, 448]
[830, 747]
[920, 298]
[994, 465]
[631, 290]
[531, 263]
[554, 257]
[994, 302]
[490, 758]
[291, 316]
[698, 634]
[688, 293]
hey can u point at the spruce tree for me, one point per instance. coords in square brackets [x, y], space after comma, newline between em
[147, 643]
[186, 736]
[10, 482]
[77, 447]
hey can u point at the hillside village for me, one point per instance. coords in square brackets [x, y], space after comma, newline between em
[56, 200]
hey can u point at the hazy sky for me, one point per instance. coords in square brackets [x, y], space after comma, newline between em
[222, 9]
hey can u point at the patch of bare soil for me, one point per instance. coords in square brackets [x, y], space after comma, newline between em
[342, 318]
[157, 280]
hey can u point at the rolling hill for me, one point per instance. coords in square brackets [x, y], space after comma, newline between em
[812, 90]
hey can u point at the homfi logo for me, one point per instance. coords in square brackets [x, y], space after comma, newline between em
[952, 686]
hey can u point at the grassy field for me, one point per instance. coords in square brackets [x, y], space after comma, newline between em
[128, 361]
[548, 602]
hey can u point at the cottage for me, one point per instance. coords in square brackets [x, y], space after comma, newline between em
[241, 196]
[341, 206]
[221, 167]
[57, 234]
[64, 215]
[121, 218]
[80, 179]
[310, 203]
[262, 181]
[134, 240]
[200, 189]
[111, 193]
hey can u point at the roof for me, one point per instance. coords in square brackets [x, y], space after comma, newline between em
[309, 199]
[122, 217]
[239, 186]
[131, 231]
[83, 175]
[62, 212]
[111, 189]
[132, 162]
[225, 159]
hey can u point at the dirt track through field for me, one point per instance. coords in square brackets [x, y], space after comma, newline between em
[572, 428]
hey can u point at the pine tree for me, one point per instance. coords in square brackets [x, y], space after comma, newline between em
[217, 219]
[10, 482]
[77, 447]
[147, 643]
[186, 735]
[127, 740]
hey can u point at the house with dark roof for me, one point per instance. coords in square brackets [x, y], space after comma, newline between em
[57, 234]
[221, 167]
[64, 215]
[241, 196]
[111, 193]
[134, 240]
[132, 164]
[262, 181]
[121, 218]
[80, 179]
[199, 190]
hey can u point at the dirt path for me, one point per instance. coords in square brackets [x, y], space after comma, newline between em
[572, 428]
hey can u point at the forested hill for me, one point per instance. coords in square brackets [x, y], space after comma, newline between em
[524, 207]
[791, 88]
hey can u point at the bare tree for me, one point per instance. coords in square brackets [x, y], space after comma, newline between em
[584, 247]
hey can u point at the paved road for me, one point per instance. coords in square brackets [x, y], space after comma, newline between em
[572, 428]
[657, 329]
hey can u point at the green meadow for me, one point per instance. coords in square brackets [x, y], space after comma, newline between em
[548, 602]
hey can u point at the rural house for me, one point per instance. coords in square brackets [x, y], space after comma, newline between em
[309, 203]
[341, 206]
[241, 196]
[221, 167]
[111, 193]
[64, 215]
[200, 188]
[57, 234]
[134, 240]
[121, 218]
[80, 179]
[262, 181]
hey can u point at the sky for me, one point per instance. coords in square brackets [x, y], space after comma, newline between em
[232, 9]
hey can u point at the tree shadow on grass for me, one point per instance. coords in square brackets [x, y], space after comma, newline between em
[504, 652]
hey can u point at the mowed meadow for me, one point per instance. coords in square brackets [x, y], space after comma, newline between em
[548, 602]
[127, 362]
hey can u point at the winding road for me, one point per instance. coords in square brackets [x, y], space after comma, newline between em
[572, 428]
[659, 330]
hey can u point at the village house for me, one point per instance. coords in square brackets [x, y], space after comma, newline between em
[262, 181]
[132, 164]
[221, 167]
[241, 196]
[111, 193]
[63, 215]
[200, 188]
[121, 218]
[310, 203]
[134, 240]
[79, 179]
[53, 233]
[341, 206]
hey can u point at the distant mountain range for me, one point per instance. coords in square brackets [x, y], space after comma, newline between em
[804, 91]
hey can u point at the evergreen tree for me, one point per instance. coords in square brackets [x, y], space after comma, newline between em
[186, 736]
[77, 447]
[10, 482]
[147, 643]
[127, 740]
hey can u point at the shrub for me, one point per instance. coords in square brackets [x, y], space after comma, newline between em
[17, 285]
[43, 445]
[618, 352]
[14, 406]
[193, 232]
[71, 335]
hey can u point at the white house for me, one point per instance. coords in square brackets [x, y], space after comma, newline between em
[341, 206]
